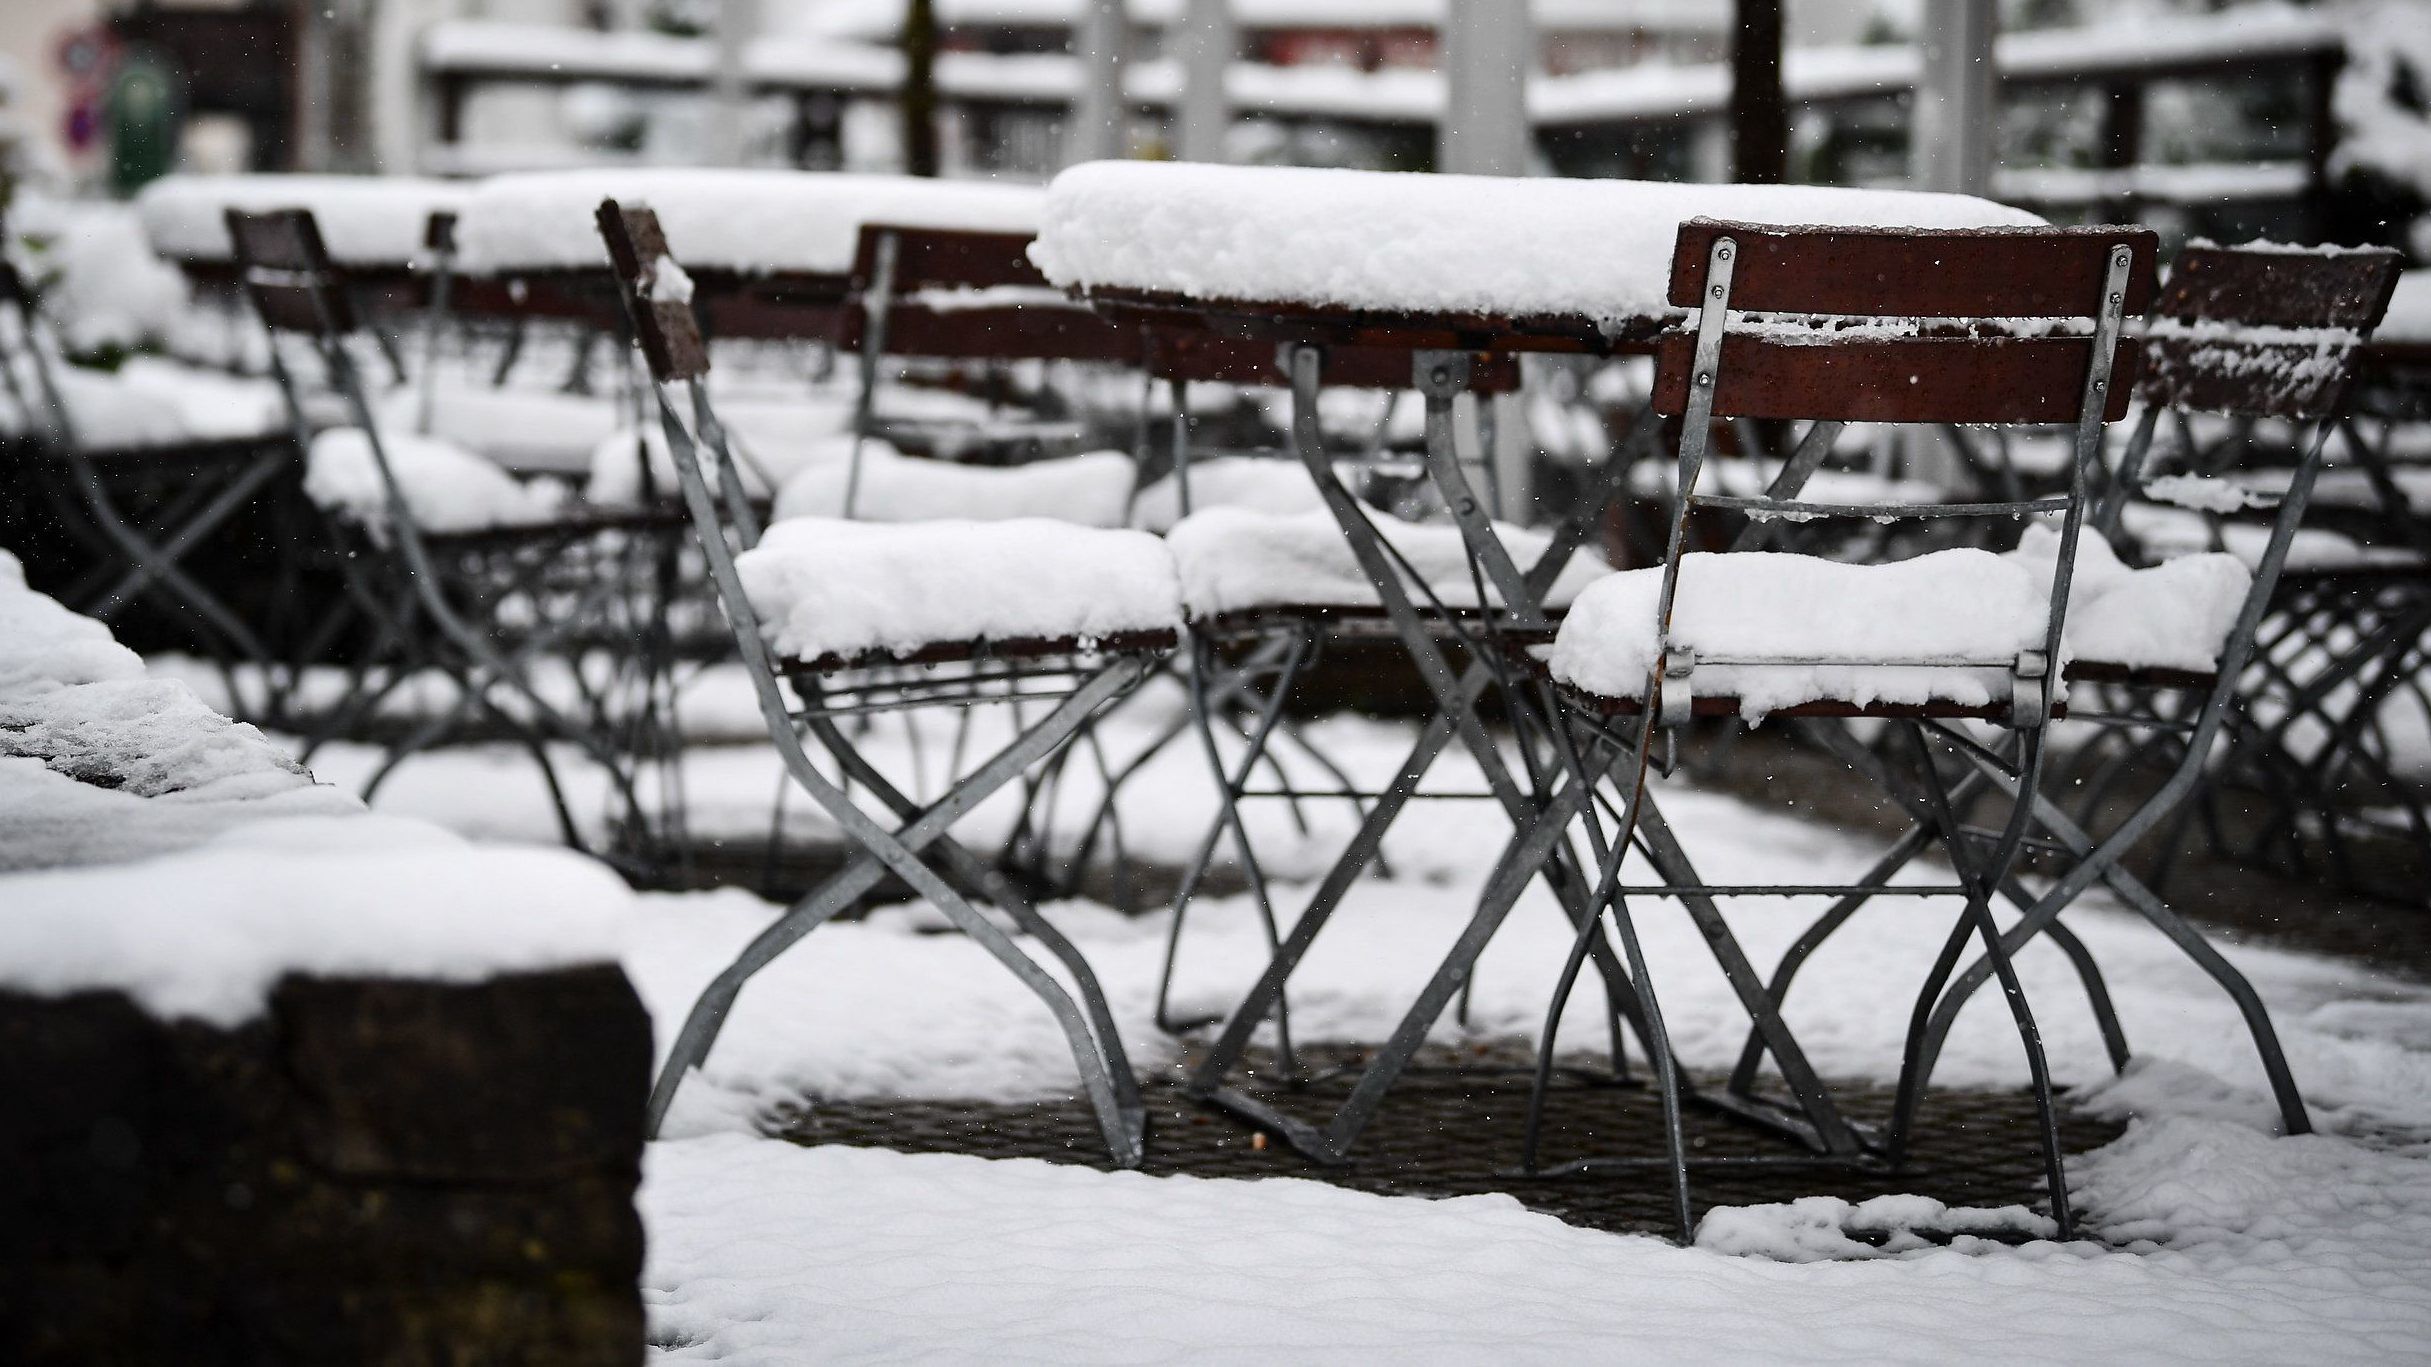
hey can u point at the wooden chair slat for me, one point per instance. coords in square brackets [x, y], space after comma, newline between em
[1905, 379]
[940, 258]
[669, 335]
[2281, 289]
[1914, 273]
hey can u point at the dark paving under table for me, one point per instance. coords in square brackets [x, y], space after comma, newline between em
[1452, 1127]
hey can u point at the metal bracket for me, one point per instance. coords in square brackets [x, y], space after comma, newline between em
[1678, 692]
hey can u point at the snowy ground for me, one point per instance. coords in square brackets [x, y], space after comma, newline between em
[2215, 1239]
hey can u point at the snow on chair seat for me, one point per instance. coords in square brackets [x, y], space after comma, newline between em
[1236, 561]
[1772, 632]
[447, 489]
[1254, 483]
[832, 593]
[1092, 490]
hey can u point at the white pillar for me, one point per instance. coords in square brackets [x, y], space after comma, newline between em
[1488, 51]
[1101, 40]
[738, 22]
[1950, 132]
[1206, 43]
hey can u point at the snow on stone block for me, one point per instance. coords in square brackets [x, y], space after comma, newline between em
[364, 220]
[1092, 490]
[447, 489]
[827, 587]
[205, 933]
[1258, 485]
[753, 222]
[1237, 559]
[1878, 624]
[1382, 240]
[44, 644]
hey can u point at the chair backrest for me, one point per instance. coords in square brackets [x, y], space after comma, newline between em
[286, 270]
[1953, 336]
[2264, 333]
[659, 309]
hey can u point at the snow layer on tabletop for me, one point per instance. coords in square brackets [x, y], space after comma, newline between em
[748, 221]
[1234, 559]
[364, 220]
[2174, 615]
[146, 737]
[204, 933]
[1248, 482]
[1384, 240]
[2409, 316]
[101, 285]
[446, 488]
[44, 644]
[764, 1250]
[1092, 490]
[823, 586]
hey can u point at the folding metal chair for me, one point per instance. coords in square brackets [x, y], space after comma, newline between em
[1082, 670]
[487, 607]
[144, 511]
[1888, 325]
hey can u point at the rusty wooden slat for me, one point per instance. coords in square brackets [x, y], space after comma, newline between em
[940, 258]
[1915, 272]
[2327, 289]
[1906, 379]
[670, 336]
[2258, 378]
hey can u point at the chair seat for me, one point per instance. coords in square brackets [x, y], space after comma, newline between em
[1261, 484]
[1940, 633]
[447, 489]
[832, 592]
[1236, 560]
[1092, 490]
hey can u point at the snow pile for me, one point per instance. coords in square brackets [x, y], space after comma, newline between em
[1236, 559]
[2409, 316]
[205, 933]
[748, 221]
[98, 759]
[101, 286]
[364, 220]
[2205, 494]
[767, 1251]
[2165, 533]
[1381, 240]
[1092, 490]
[1249, 482]
[446, 488]
[531, 430]
[1824, 1228]
[828, 587]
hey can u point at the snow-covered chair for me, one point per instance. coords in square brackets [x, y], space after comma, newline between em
[1069, 617]
[1877, 325]
[463, 571]
[2251, 339]
[146, 466]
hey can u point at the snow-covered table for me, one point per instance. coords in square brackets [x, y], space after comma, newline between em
[1417, 261]
[770, 253]
[1446, 270]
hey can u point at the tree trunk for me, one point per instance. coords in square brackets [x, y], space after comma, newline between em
[1759, 113]
[920, 88]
